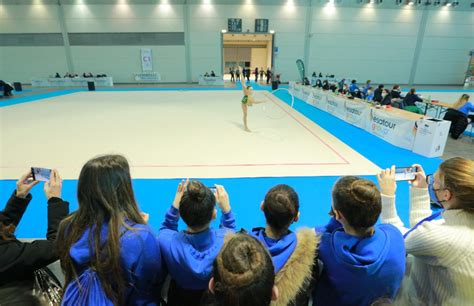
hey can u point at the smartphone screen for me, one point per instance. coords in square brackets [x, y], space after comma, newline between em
[41, 174]
[213, 189]
[405, 173]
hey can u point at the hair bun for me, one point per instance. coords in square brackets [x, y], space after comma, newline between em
[197, 191]
[363, 190]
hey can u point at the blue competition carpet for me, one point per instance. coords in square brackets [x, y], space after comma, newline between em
[155, 195]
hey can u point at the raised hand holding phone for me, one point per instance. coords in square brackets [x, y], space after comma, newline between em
[53, 187]
[420, 177]
[24, 185]
[387, 182]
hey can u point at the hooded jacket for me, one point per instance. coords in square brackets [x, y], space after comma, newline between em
[141, 263]
[357, 271]
[189, 257]
[294, 257]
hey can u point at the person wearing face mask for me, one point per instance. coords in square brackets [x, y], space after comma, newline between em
[442, 243]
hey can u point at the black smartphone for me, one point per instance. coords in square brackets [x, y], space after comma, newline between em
[405, 173]
[41, 174]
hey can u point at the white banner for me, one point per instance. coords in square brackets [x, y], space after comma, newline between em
[398, 131]
[357, 113]
[318, 99]
[147, 59]
[336, 106]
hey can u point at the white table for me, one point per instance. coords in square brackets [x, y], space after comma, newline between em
[393, 125]
[71, 82]
[211, 81]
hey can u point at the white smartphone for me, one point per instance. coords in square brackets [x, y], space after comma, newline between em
[405, 173]
[41, 174]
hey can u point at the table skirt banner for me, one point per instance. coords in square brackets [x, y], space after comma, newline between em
[396, 130]
[357, 113]
[336, 106]
[319, 99]
[391, 126]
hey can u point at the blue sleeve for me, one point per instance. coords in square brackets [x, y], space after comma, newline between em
[228, 221]
[332, 225]
[470, 107]
[171, 220]
[143, 265]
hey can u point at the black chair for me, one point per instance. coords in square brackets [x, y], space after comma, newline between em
[458, 122]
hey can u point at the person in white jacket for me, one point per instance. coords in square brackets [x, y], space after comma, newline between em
[442, 244]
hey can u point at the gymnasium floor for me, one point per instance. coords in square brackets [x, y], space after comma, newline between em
[169, 134]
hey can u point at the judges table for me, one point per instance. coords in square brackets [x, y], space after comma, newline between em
[415, 132]
[71, 82]
[211, 81]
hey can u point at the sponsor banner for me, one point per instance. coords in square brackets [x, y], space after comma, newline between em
[319, 99]
[297, 91]
[398, 131]
[306, 93]
[336, 106]
[146, 58]
[357, 113]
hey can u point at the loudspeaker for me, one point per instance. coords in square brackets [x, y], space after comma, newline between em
[17, 86]
[91, 86]
[274, 85]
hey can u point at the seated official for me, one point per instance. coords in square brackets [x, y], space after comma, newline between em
[386, 97]
[396, 93]
[464, 106]
[378, 93]
[366, 88]
[460, 117]
[409, 101]
[353, 87]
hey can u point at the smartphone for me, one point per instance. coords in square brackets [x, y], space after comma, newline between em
[212, 188]
[40, 174]
[405, 173]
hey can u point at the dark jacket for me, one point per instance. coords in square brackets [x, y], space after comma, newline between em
[396, 94]
[458, 122]
[378, 95]
[410, 99]
[18, 260]
[297, 270]
[387, 100]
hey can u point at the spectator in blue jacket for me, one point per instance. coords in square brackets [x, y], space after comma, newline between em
[190, 254]
[464, 106]
[293, 254]
[108, 254]
[362, 261]
[353, 88]
[366, 88]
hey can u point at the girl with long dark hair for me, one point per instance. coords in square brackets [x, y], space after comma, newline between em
[108, 254]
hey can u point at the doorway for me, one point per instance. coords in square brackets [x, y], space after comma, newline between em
[247, 50]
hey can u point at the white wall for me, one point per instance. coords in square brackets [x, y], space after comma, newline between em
[364, 43]
[444, 55]
[376, 42]
[19, 63]
[121, 62]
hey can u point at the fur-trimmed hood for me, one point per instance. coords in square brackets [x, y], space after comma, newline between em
[296, 275]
